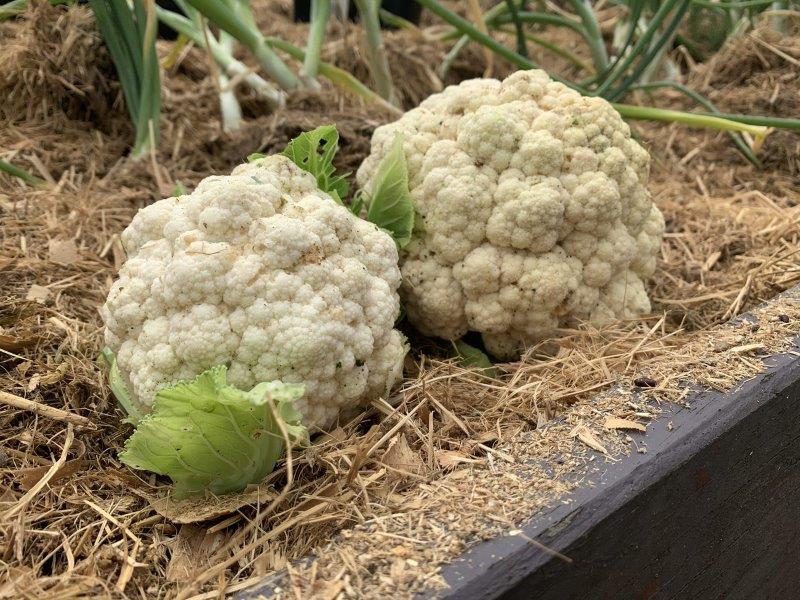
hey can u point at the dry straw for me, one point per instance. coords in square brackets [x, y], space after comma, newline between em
[385, 499]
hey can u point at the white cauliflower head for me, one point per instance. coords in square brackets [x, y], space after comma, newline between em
[532, 211]
[263, 271]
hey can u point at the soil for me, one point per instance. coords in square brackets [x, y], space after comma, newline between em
[384, 500]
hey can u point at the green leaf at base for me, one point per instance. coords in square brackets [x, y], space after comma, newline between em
[469, 356]
[390, 206]
[207, 435]
[119, 388]
[313, 151]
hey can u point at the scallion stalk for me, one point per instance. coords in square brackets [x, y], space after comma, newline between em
[240, 24]
[129, 32]
[320, 13]
[376, 51]
[233, 69]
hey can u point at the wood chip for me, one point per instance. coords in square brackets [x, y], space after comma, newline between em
[449, 459]
[37, 293]
[197, 510]
[192, 550]
[63, 252]
[617, 423]
[30, 477]
[747, 348]
[588, 438]
[402, 458]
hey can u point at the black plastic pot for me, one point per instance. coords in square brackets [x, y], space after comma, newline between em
[407, 9]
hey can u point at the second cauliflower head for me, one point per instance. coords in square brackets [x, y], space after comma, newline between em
[264, 272]
[532, 211]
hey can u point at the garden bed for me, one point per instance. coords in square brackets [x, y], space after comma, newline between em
[454, 458]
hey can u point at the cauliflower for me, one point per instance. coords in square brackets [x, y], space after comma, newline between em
[531, 211]
[263, 272]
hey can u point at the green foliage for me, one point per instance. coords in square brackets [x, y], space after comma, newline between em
[119, 387]
[207, 435]
[471, 357]
[313, 151]
[129, 33]
[389, 205]
[22, 174]
[643, 39]
[179, 189]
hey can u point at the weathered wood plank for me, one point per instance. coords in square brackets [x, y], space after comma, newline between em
[711, 511]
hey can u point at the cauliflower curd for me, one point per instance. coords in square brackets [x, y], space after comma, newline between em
[266, 273]
[532, 211]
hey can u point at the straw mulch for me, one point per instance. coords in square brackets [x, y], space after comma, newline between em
[453, 457]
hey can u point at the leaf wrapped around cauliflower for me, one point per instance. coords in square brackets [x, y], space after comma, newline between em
[262, 271]
[207, 435]
[531, 211]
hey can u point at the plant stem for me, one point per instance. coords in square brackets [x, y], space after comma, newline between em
[320, 13]
[393, 20]
[451, 56]
[20, 174]
[222, 15]
[129, 33]
[708, 105]
[147, 120]
[543, 18]
[233, 68]
[557, 50]
[469, 30]
[700, 120]
[726, 5]
[597, 46]
[776, 122]
[228, 103]
[376, 51]
[337, 76]
[522, 48]
[647, 60]
[641, 45]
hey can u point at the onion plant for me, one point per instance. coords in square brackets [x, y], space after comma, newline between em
[14, 171]
[235, 70]
[235, 17]
[339, 77]
[12, 8]
[129, 32]
[641, 43]
[320, 13]
[376, 52]
[228, 103]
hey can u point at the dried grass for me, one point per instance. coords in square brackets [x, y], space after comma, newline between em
[381, 501]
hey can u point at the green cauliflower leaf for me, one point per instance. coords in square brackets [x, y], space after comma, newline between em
[207, 435]
[390, 206]
[118, 387]
[313, 151]
[470, 356]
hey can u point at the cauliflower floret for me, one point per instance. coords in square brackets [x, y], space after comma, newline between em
[262, 271]
[532, 211]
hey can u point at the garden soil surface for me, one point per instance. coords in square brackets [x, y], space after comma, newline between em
[453, 456]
